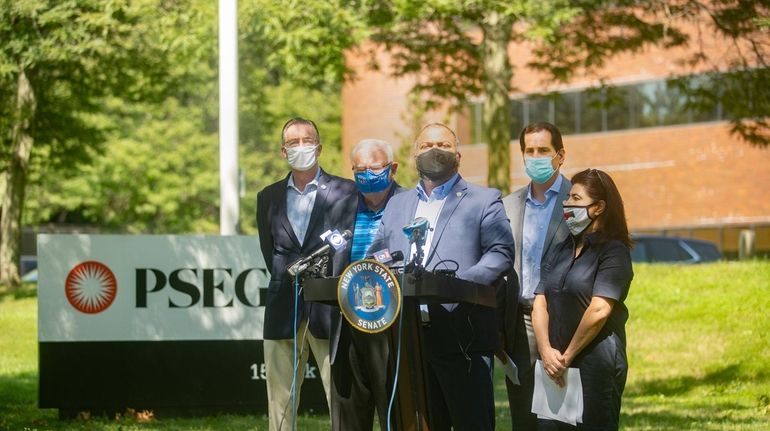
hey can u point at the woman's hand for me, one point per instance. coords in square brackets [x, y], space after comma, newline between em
[554, 364]
[553, 361]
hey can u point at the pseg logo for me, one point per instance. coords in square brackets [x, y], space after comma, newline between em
[369, 296]
[90, 287]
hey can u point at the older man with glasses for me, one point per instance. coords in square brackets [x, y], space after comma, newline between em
[360, 378]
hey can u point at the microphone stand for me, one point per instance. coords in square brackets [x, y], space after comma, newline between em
[415, 265]
[318, 268]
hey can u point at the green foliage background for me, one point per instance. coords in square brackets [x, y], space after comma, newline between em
[155, 167]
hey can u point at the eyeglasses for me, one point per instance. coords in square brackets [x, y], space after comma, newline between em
[376, 168]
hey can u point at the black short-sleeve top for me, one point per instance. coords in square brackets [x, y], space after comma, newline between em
[568, 283]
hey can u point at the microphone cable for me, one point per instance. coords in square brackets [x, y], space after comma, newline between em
[398, 354]
[295, 363]
[295, 367]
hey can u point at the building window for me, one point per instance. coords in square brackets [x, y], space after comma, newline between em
[623, 107]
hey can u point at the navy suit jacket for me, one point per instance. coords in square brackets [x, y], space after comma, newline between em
[334, 208]
[473, 231]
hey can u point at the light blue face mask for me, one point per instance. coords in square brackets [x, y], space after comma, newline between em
[539, 169]
[369, 182]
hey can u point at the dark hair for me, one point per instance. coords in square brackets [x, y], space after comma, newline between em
[300, 121]
[600, 186]
[556, 140]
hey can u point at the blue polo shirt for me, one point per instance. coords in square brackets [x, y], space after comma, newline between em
[367, 224]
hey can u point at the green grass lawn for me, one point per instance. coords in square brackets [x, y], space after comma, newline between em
[699, 354]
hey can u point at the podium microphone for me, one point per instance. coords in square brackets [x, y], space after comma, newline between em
[333, 240]
[385, 257]
[417, 230]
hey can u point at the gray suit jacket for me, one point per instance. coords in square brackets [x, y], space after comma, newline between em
[557, 232]
[472, 231]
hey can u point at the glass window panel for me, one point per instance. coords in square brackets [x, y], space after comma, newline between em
[702, 102]
[616, 103]
[565, 114]
[666, 250]
[539, 110]
[648, 111]
[590, 111]
[673, 102]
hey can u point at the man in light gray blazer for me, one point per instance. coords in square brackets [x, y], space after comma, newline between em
[537, 223]
[470, 233]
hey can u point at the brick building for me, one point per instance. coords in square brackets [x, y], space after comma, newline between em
[680, 172]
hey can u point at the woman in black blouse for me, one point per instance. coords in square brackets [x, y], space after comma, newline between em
[578, 316]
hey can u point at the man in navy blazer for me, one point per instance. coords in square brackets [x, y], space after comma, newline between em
[291, 216]
[470, 232]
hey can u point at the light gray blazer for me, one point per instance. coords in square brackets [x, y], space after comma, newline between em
[472, 230]
[557, 232]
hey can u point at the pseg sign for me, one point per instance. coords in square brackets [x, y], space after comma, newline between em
[149, 288]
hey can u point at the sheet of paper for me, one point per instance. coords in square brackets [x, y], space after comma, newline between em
[561, 404]
[511, 371]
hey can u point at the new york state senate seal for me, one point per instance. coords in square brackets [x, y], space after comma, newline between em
[369, 296]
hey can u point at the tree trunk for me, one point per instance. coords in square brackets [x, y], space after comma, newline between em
[15, 182]
[497, 112]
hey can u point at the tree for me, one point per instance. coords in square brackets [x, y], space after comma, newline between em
[58, 61]
[157, 172]
[459, 49]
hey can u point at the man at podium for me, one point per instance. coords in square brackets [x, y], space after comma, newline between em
[469, 235]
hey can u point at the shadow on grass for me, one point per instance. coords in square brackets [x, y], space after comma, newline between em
[686, 420]
[27, 290]
[694, 412]
[672, 386]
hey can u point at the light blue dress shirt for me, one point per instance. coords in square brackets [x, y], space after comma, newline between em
[537, 216]
[299, 205]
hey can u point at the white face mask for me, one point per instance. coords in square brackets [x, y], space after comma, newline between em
[577, 219]
[301, 158]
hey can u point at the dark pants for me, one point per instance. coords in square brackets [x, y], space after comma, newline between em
[361, 381]
[460, 391]
[603, 370]
[524, 356]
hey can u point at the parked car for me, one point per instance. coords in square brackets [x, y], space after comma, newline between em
[657, 248]
[27, 263]
[30, 277]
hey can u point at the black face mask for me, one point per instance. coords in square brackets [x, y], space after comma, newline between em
[436, 165]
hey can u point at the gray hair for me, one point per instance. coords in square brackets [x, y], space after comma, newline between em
[370, 145]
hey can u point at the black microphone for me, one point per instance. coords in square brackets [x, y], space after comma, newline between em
[332, 241]
[397, 256]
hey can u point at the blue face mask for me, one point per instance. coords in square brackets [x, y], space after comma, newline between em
[539, 169]
[369, 182]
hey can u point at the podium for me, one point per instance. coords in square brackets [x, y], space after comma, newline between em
[411, 404]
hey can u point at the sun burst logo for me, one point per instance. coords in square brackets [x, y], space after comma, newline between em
[91, 287]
